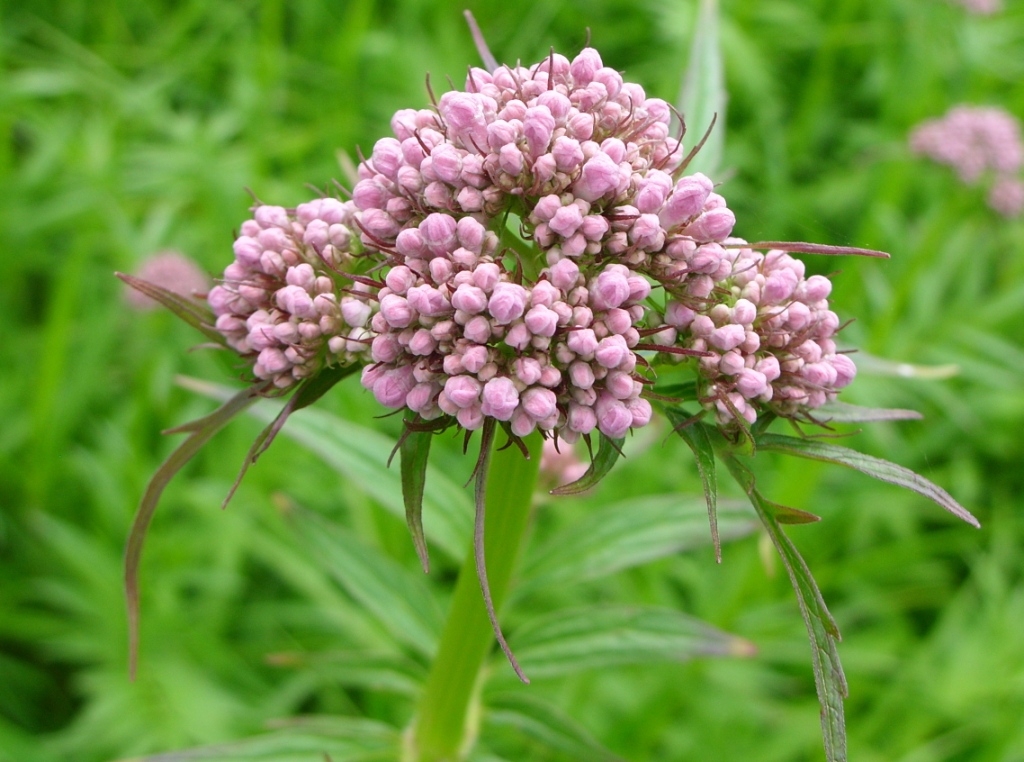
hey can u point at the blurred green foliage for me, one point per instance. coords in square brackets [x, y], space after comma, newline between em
[127, 128]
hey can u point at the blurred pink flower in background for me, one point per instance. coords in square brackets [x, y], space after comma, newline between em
[978, 142]
[559, 463]
[170, 270]
[980, 7]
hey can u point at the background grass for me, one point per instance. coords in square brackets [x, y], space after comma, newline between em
[126, 128]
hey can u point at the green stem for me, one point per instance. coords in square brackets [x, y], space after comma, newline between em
[442, 729]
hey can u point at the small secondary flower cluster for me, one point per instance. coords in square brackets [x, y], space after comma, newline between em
[547, 336]
[980, 7]
[975, 142]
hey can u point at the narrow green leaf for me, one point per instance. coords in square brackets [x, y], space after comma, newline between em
[414, 454]
[192, 312]
[198, 437]
[397, 599]
[703, 93]
[829, 679]
[360, 455]
[608, 453]
[628, 534]
[842, 412]
[308, 392]
[545, 723]
[343, 739]
[598, 637]
[376, 671]
[699, 440]
[883, 470]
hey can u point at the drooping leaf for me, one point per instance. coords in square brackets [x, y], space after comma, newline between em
[414, 454]
[308, 392]
[479, 555]
[546, 724]
[608, 453]
[201, 432]
[628, 534]
[842, 412]
[880, 469]
[360, 455]
[829, 679]
[343, 739]
[598, 637]
[696, 435]
[399, 600]
[192, 312]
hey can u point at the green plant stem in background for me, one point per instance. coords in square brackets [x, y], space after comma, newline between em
[443, 724]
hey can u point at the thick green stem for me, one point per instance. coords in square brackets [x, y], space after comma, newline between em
[443, 727]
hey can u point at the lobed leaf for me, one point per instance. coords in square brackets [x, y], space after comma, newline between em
[608, 453]
[598, 637]
[829, 680]
[878, 468]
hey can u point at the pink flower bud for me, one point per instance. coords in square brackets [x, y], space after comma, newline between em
[462, 390]
[581, 418]
[727, 337]
[584, 66]
[478, 330]
[387, 157]
[486, 276]
[779, 286]
[611, 352]
[391, 387]
[546, 208]
[510, 159]
[619, 385]
[470, 299]
[528, 370]
[295, 300]
[541, 321]
[600, 175]
[379, 225]
[355, 311]
[714, 225]
[500, 398]
[732, 362]
[595, 227]
[428, 301]
[751, 383]
[845, 370]
[566, 220]
[438, 232]
[421, 397]
[396, 311]
[581, 375]
[583, 342]
[744, 312]
[687, 200]
[507, 302]
[539, 403]
[816, 288]
[422, 343]
[470, 418]
[564, 274]
[518, 337]
[611, 288]
[769, 367]
[538, 126]
[613, 418]
[567, 154]
[522, 423]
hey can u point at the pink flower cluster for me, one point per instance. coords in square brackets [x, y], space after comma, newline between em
[284, 302]
[978, 142]
[587, 163]
[981, 7]
[768, 339]
[568, 156]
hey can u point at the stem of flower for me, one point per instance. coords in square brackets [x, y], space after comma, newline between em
[444, 727]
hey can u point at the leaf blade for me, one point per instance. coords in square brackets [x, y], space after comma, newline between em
[698, 439]
[880, 469]
[608, 453]
[414, 453]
